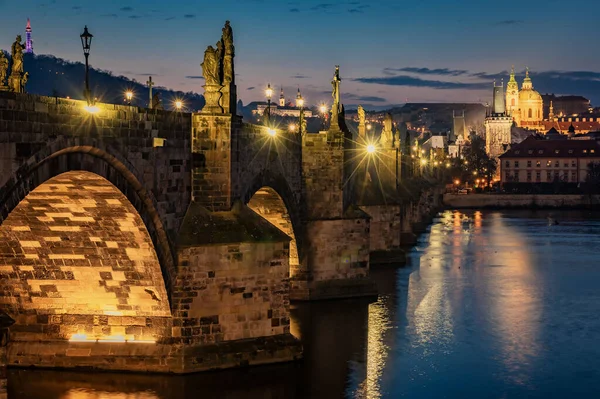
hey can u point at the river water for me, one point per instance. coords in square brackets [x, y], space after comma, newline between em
[495, 304]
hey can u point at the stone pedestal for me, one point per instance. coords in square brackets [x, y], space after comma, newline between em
[212, 97]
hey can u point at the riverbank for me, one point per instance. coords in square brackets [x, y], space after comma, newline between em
[520, 201]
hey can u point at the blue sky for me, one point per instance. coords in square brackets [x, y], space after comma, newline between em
[388, 51]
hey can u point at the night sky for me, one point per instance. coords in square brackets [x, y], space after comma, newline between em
[389, 52]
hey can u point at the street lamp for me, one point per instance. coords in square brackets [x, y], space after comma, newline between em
[292, 127]
[269, 94]
[128, 96]
[178, 105]
[323, 110]
[371, 148]
[300, 102]
[86, 43]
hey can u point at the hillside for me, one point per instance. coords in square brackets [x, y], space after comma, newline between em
[52, 76]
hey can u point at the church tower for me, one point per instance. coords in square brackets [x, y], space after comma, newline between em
[28, 41]
[512, 96]
[298, 98]
[281, 98]
[497, 125]
[530, 104]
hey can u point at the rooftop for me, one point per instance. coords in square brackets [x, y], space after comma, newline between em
[539, 146]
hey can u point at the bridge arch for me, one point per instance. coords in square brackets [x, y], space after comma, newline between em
[74, 154]
[271, 197]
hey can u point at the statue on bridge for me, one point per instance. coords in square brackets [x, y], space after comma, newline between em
[335, 108]
[15, 81]
[3, 71]
[218, 73]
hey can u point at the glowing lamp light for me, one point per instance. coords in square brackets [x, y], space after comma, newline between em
[128, 95]
[292, 127]
[269, 91]
[272, 132]
[474, 173]
[300, 102]
[371, 148]
[369, 126]
[447, 165]
[92, 109]
[323, 108]
[457, 182]
[423, 162]
[79, 337]
[178, 105]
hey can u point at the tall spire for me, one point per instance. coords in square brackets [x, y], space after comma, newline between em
[281, 98]
[28, 41]
[551, 113]
[527, 84]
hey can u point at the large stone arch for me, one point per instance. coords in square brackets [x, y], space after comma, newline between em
[270, 196]
[72, 154]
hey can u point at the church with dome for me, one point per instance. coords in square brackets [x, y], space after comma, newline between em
[525, 106]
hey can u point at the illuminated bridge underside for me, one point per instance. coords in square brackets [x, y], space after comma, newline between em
[76, 261]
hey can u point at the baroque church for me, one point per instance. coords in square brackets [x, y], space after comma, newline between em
[526, 105]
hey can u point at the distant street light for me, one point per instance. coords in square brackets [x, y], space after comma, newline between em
[300, 103]
[371, 148]
[292, 127]
[269, 94]
[86, 43]
[178, 105]
[128, 96]
[272, 132]
[323, 111]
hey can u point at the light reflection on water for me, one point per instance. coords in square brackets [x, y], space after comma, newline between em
[491, 305]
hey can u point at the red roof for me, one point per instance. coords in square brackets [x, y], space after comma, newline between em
[537, 146]
[579, 126]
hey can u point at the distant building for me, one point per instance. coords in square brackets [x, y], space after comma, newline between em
[564, 106]
[497, 125]
[540, 160]
[282, 109]
[28, 40]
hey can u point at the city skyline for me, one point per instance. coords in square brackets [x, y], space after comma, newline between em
[450, 56]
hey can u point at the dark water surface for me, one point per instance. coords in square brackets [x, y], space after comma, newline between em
[492, 305]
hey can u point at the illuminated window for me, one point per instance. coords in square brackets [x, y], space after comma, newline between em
[512, 102]
[530, 152]
[538, 164]
[585, 151]
[556, 151]
[530, 113]
[540, 151]
[570, 151]
[548, 164]
[592, 151]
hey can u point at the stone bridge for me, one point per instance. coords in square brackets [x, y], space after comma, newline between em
[147, 240]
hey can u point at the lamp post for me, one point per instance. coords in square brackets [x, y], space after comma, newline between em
[300, 102]
[128, 96]
[86, 43]
[178, 105]
[269, 94]
[323, 111]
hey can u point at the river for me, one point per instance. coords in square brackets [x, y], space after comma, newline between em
[494, 304]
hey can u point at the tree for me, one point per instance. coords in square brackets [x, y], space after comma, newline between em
[477, 161]
[593, 178]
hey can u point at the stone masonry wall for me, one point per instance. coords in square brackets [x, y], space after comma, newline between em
[28, 123]
[323, 172]
[385, 226]
[75, 258]
[231, 292]
[211, 161]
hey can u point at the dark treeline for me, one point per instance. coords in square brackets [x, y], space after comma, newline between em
[52, 76]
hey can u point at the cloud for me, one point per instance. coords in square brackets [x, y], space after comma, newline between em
[294, 10]
[169, 18]
[76, 8]
[426, 71]
[322, 6]
[251, 88]
[109, 16]
[510, 22]
[299, 76]
[411, 81]
[355, 11]
[189, 16]
[126, 9]
[194, 77]
[134, 17]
